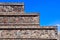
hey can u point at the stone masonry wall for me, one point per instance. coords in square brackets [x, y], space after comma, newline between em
[15, 25]
[11, 8]
[19, 20]
[44, 34]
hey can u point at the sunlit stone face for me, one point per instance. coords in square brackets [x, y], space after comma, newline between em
[27, 34]
[11, 8]
[19, 20]
[14, 24]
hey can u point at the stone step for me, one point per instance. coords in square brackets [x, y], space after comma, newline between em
[11, 13]
[37, 27]
[19, 13]
[43, 34]
[22, 26]
[11, 7]
[10, 19]
[10, 4]
[25, 39]
[17, 24]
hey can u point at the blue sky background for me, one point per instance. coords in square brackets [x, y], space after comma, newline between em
[49, 10]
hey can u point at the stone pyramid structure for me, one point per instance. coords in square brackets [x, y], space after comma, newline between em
[15, 24]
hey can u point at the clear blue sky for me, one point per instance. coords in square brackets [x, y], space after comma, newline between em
[49, 10]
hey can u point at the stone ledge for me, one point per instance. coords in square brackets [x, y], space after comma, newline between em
[17, 24]
[28, 38]
[11, 13]
[26, 28]
[9, 4]
[19, 13]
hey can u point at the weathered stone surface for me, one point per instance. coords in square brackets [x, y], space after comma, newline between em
[11, 8]
[8, 4]
[29, 26]
[14, 24]
[11, 13]
[27, 39]
[23, 26]
[19, 20]
[28, 34]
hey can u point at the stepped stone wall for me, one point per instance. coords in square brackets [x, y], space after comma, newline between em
[11, 8]
[32, 33]
[19, 19]
[15, 25]
[28, 34]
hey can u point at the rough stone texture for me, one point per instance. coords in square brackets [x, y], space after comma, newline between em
[12, 4]
[28, 34]
[19, 20]
[11, 13]
[15, 25]
[22, 26]
[11, 8]
[28, 39]
[28, 26]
